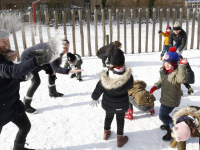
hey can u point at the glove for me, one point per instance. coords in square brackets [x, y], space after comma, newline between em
[184, 61]
[159, 31]
[27, 77]
[152, 112]
[94, 103]
[153, 89]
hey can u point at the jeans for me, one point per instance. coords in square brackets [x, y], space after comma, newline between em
[165, 49]
[164, 115]
[177, 45]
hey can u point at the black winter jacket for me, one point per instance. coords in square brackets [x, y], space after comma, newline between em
[189, 75]
[107, 49]
[115, 91]
[10, 105]
[181, 38]
[55, 64]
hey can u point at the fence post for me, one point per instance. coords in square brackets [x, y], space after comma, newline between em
[132, 29]
[88, 32]
[107, 39]
[174, 16]
[73, 31]
[64, 23]
[23, 30]
[198, 37]
[153, 33]
[95, 30]
[181, 17]
[187, 26]
[14, 37]
[81, 32]
[139, 31]
[193, 28]
[47, 23]
[5, 27]
[147, 29]
[103, 26]
[161, 25]
[168, 16]
[124, 10]
[32, 31]
[40, 27]
[118, 25]
[110, 24]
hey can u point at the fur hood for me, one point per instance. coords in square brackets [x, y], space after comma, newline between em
[192, 111]
[109, 83]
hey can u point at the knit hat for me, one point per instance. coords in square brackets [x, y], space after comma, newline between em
[172, 56]
[4, 33]
[71, 57]
[181, 131]
[117, 57]
[176, 26]
[168, 27]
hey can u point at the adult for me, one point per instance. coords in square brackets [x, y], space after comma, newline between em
[105, 51]
[51, 68]
[11, 108]
[178, 36]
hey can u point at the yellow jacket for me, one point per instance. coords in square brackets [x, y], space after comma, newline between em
[166, 40]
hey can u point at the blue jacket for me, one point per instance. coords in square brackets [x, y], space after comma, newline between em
[10, 105]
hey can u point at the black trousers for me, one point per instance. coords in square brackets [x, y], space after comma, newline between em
[120, 122]
[35, 82]
[24, 125]
[187, 85]
[102, 56]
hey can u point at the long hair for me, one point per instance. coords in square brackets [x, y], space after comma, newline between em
[190, 124]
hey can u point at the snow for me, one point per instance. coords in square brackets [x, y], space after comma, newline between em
[70, 123]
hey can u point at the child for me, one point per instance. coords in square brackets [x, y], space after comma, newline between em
[172, 76]
[186, 124]
[166, 41]
[74, 61]
[114, 85]
[140, 98]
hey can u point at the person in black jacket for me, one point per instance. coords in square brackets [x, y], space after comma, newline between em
[114, 84]
[11, 108]
[105, 51]
[51, 68]
[179, 36]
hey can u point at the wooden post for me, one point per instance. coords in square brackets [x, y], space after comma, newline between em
[103, 26]
[39, 25]
[124, 10]
[95, 30]
[168, 16]
[153, 32]
[161, 24]
[139, 30]
[174, 16]
[47, 23]
[5, 27]
[31, 25]
[73, 31]
[132, 29]
[187, 26]
[198, 36]
[147, 29]
[23, 30]
[193, 28]
[56, 21]
[118, 25]
[88, 32]
[110, 24]
[181, 16]
[14, 37]
[65, 23]
[81, 32]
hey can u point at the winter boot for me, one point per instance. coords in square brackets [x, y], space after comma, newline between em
[163, 127]
[20, 147]
[168, 136]
[190, 91]
[27, 103]
[80, 80]
[161, 58]
[121, 140]
[129, 114]
[53, 92]
[173, 143]
[73, 75]
[106, 134]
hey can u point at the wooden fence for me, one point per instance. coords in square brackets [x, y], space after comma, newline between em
[131, 12]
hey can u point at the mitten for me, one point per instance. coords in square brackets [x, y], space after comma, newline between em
[153, 89]
[152, 112]
[27, 77]
[159, 31]
[184, 61]
[94, 103]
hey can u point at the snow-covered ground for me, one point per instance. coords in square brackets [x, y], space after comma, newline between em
[70, 123]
